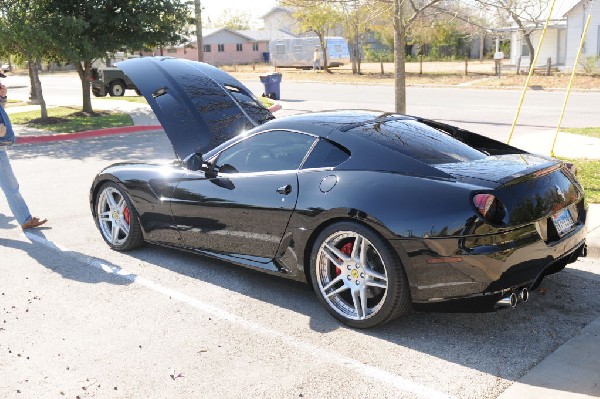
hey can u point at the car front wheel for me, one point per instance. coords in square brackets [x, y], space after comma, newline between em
[357, 276]
[117, 219]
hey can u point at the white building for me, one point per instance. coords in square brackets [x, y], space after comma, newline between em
[562, 37]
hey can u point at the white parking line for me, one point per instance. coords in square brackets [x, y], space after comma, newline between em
[319, 353]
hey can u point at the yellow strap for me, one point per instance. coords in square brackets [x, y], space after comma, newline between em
[564, 108]
[537, 53]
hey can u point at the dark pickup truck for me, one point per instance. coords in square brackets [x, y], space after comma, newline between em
[111, 81]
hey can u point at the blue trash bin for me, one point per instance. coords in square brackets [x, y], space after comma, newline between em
[272, 83]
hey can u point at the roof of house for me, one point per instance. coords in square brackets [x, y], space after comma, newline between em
[274, 10]
[567, 5]
[557, 18]
[263, 35]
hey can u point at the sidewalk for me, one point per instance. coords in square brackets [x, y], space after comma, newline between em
[572, 371]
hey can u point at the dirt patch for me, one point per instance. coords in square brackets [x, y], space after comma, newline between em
[479, 74]
[541, 82]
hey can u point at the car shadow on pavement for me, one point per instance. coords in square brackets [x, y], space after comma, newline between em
[503, 344]
[46, 254]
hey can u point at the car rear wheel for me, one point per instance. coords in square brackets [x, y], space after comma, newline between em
[116, 88]
[117, 219]
[356, 275]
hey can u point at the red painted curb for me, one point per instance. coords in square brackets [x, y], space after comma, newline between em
[85, 135]
[275, 108]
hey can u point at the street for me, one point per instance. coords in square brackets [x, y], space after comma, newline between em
[490, 112]
[80, 320]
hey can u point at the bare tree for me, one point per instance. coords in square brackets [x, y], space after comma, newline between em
[526, 14]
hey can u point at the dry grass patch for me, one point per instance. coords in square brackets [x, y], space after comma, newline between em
[540, 82]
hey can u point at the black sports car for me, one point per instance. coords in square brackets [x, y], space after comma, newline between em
[376, 211]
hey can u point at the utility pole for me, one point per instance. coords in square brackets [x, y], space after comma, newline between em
[199, 44]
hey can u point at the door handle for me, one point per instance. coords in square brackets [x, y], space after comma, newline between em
[285, 190]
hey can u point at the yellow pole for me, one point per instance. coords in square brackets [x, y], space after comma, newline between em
[537, 53]
[562, 114]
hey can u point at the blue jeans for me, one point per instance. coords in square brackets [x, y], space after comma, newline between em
[10, 187]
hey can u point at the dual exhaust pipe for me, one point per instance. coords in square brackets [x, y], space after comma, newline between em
[514, 298]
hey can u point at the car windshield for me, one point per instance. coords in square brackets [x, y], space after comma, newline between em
[418, 141]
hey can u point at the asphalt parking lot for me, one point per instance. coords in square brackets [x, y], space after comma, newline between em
[80, 320]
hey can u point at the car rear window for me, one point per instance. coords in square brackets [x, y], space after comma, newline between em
[325, 154]
[419, 141]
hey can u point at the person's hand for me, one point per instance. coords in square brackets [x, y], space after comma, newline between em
[3, 90]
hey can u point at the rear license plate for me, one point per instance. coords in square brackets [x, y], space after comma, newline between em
[563, 222]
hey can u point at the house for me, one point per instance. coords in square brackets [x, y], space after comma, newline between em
[229, 47]
[563, 37]
[576, 17]
[282, 19]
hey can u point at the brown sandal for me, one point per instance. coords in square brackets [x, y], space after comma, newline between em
[33, 223]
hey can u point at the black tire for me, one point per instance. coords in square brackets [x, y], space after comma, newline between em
[98, 93]
[379, 278]
[116, 88]
[120, 228]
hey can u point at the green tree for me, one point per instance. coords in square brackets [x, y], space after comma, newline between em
[320, 17]
[87, 30]
[23, 27]
[235, 20]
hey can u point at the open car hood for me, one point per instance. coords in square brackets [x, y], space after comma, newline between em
[198, 105]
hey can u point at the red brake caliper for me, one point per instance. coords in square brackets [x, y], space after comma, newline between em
[126, 215]
[346, 249]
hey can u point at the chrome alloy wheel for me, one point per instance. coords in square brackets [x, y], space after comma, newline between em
[114, 216]
[352, 275]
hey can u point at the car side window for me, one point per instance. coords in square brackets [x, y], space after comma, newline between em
[265, 152]
[326, 155]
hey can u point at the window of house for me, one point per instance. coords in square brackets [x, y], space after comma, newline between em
[171, 50]
[207, 48]
[220, 48]
[238, 47]
[280, 48]
[524, 50]
[254, 46]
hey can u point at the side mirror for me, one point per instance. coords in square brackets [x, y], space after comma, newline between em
[193, 162]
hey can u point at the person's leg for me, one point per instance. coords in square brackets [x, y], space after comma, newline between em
[10, 187]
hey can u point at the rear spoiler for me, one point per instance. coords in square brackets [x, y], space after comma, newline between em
[477, 141]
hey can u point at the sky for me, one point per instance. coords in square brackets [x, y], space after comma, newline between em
[213, 9]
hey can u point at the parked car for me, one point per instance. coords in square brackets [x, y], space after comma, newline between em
[111, 81]
[5, 68]
[376, 211]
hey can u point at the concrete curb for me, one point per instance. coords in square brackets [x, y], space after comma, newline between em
[36, 139]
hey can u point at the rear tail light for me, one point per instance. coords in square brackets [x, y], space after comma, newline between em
[489, 207]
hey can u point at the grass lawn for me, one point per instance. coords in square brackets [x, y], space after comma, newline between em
[588, 173]
[266, 102]
[585, 131]
[71, 119]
